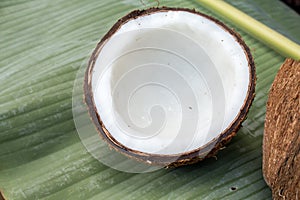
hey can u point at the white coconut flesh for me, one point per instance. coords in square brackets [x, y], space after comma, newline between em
[169, 82]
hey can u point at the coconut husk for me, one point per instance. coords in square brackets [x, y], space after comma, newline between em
[281, 142]
[1, 196]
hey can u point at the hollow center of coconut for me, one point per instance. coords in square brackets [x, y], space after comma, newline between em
[169, 82]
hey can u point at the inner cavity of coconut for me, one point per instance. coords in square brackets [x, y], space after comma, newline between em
[169, 82]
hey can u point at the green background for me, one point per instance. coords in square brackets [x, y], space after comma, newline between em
[42, 45]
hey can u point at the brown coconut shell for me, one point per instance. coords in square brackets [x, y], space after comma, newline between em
[208, 150]
[2, 196]
[281, 142]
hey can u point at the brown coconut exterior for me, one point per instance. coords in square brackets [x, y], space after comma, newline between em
[2, 196]
[281, 142]
[175, 160]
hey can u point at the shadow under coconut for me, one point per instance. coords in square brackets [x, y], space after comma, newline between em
[236, 169]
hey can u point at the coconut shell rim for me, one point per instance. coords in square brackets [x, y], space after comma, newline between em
[188, 157]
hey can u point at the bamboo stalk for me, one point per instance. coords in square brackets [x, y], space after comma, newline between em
[271, 38]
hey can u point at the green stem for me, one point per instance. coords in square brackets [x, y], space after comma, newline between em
[271, 38]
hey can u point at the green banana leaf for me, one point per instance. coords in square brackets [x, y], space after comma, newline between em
[42, 45]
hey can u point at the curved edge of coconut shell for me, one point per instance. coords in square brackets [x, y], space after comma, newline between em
[281, 141]
[175, 160]
[2, 196]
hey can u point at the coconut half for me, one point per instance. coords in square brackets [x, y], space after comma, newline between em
[169, 86]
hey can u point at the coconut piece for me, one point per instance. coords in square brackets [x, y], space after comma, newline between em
[169, 86]
[2, 196]
[281, 142]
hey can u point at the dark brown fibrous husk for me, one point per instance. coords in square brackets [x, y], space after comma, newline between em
[196, 155]
[281, 143]
[2, 196]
